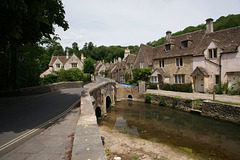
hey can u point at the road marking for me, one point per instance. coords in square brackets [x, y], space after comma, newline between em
[37, 128]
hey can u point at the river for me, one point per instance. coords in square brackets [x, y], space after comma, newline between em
[177, 128]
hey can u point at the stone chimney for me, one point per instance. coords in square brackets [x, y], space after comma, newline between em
[126, 53]
[67, 54]
[209, 25]
[168, 35]
[119, 59]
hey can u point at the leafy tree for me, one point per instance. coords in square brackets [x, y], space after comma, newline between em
[88, 66]
[141, 74]
[24, 22]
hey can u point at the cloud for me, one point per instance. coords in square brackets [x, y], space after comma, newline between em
[131, 22]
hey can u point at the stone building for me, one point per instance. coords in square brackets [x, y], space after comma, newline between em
[144, 58]
[64, 62]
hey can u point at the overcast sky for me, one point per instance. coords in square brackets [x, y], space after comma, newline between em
[132, 22]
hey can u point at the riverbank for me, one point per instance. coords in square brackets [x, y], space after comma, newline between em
[128, 147]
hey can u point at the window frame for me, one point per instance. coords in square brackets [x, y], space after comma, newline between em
[179, 79]
[141, 65]
[161, 63]
[179, 61]
[58, 65]
[167, 47]
[212, 53]
[184, 44]
[73, 65]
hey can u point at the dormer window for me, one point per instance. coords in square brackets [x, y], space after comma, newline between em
[184, 44]
[74, 65]
[167, 47]
[57, 65]
[212, 53]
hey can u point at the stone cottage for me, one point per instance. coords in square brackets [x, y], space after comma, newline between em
[64, 62]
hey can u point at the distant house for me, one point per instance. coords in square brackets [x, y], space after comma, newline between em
[144, 58]
[64, 62]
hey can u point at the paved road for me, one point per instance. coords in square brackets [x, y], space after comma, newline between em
[21, 115]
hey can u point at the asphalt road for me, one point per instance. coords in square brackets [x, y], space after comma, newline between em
[19, 115]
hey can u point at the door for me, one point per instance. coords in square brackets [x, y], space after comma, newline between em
[199, 83]
[233, 82]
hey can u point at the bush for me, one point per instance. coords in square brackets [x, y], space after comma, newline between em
[218, 89]
[148, 98]
[152, 86]
[178, 87]
[163, 102]
[86, 77]
[49, 79]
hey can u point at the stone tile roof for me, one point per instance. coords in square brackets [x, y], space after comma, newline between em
[193, 38]
[131, 58]
[63, 59]
[228, 40]
[162, 72]
[200, 71]
[148, 52]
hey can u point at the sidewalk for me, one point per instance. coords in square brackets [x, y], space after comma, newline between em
[196, 95]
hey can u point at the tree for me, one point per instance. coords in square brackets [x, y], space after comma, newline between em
[88, 66]
[24, 22]
[141, 74]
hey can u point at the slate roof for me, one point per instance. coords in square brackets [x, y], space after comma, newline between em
[63, 59]
[228, 40]
[148, 52]
[200, 71]
[131, 58]
[162, 72]
[193, 38]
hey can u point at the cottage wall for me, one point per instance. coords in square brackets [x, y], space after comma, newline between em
[141, 58]
[172, 69]
[73, 59]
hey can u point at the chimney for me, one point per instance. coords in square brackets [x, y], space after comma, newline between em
[119, 59]
[126, 53]
[168, 35]
[209, 25]
[67, 54]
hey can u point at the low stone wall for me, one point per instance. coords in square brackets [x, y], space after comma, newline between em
[42, 89]
[208, 108]
[221, 111]
[179, 103]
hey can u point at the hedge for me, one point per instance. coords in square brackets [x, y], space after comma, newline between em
[178, 87]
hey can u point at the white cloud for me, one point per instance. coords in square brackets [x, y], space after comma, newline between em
[131, 22]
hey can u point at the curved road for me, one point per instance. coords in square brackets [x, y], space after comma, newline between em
[18, 115]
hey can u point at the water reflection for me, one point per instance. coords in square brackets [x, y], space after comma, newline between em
[175, 127]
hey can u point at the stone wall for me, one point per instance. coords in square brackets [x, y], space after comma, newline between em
[173, 102]
[42, 89]
[123, 91]
[221, 111]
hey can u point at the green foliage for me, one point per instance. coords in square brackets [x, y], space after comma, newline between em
[49, 79]
[178, 87]
[225, 88]
[152, 86]
[218, 89]
[88, 66]
[141, 74]
[175, 101]
[148, 98]
[162, 102]
[73, 74]
[127, 76]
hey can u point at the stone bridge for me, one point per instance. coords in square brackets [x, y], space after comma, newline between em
[94, 103]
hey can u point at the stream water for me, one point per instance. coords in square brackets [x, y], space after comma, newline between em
[180, 129]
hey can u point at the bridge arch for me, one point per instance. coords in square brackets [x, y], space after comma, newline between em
[108, 102]
[98, 112]
[130, 97]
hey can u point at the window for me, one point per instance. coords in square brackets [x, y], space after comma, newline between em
[74, 65]
[141, 64]
[161, 63]
[168, 47]
[57, 65]
[179, 78]
[216, 79]
[179, 62]
[212, 53]
[184, 44]
[154, 79]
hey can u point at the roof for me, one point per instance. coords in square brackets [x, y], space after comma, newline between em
[131, 58]
[63, 59]
[193, 39]
[148, 52]
[200, 71]
[227, 39]
[162, 72]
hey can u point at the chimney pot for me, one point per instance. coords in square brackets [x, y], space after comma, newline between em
[209, 25]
